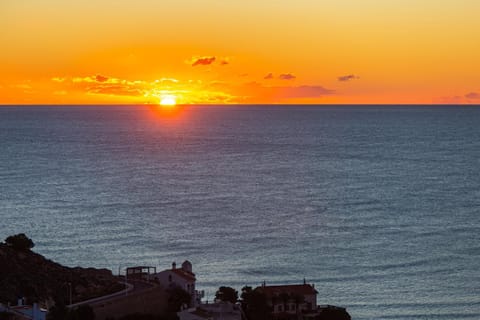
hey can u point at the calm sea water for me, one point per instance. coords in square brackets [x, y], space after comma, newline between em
[378, 206]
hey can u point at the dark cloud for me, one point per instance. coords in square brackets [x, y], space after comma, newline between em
[348, 78]
[268, 76]
[203, 61]
[223, 62]
[473, 95]
[287, 76]
[101, 78]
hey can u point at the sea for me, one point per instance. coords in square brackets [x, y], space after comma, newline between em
[377, 206]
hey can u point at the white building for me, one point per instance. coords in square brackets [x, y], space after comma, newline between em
[180, 277]
[212, 311]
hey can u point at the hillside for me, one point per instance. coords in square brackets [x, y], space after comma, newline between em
[28, 274]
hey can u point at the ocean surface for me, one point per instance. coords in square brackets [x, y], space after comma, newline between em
[378, 206]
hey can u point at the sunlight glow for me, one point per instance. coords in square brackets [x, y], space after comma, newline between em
[168, 100]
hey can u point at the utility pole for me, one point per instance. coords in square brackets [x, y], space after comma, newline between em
[126, 287]
[69, 284]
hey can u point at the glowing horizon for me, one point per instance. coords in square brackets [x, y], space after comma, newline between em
[240, 52]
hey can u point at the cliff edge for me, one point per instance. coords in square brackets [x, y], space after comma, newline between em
[24, 273]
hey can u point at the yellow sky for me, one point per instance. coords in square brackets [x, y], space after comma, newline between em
[232, 51]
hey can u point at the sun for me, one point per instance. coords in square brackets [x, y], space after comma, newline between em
[168, 100]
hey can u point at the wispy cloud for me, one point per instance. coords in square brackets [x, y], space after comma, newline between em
[268, 76]
[116, 90]
[286, 76]
[347, 78]
[101, 78]
[255, 92]
[468, 98]
[100, 84]
[188, 91]
[58, 79]
[301, 92]
[473, 96]
[21, 86]
[202, 61]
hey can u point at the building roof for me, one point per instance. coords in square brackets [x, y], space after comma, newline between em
[184, 274]
[302, 289]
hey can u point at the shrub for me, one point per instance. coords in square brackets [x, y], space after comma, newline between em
[20, 242]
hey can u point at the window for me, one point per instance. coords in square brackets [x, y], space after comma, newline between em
[280, 309]
[170, 278]
[287, 307]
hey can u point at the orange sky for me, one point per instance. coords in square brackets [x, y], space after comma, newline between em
[232, 51]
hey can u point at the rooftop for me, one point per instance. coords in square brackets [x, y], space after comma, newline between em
[303, 289]
[184, 274]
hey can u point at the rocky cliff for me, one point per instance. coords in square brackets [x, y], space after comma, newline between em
[24, 273]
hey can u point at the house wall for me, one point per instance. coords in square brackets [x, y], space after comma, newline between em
[292, 307]
[168, 278]
[311, 298]
[164, 278]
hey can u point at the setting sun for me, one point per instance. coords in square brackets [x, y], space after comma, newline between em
[168, 100]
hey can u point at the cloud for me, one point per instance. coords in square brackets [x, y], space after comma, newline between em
[473, 96]
[100, 78]
[302, 92]
[347, 78]
[58, 79]
[224, 62]
[100, 84]
[190, 91]
[255, 92]
[21, 86]
[468, 98]
[166, 81]
[199, 61]
[115, 89]
[268, 76]
[286, 76]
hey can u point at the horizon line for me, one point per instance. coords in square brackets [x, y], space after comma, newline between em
[234, 104]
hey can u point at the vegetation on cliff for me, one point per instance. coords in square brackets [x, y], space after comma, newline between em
[24, 273]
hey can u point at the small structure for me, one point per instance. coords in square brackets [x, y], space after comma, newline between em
[212, 311]
[298, 301]
[140, 272]
[180, 277]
